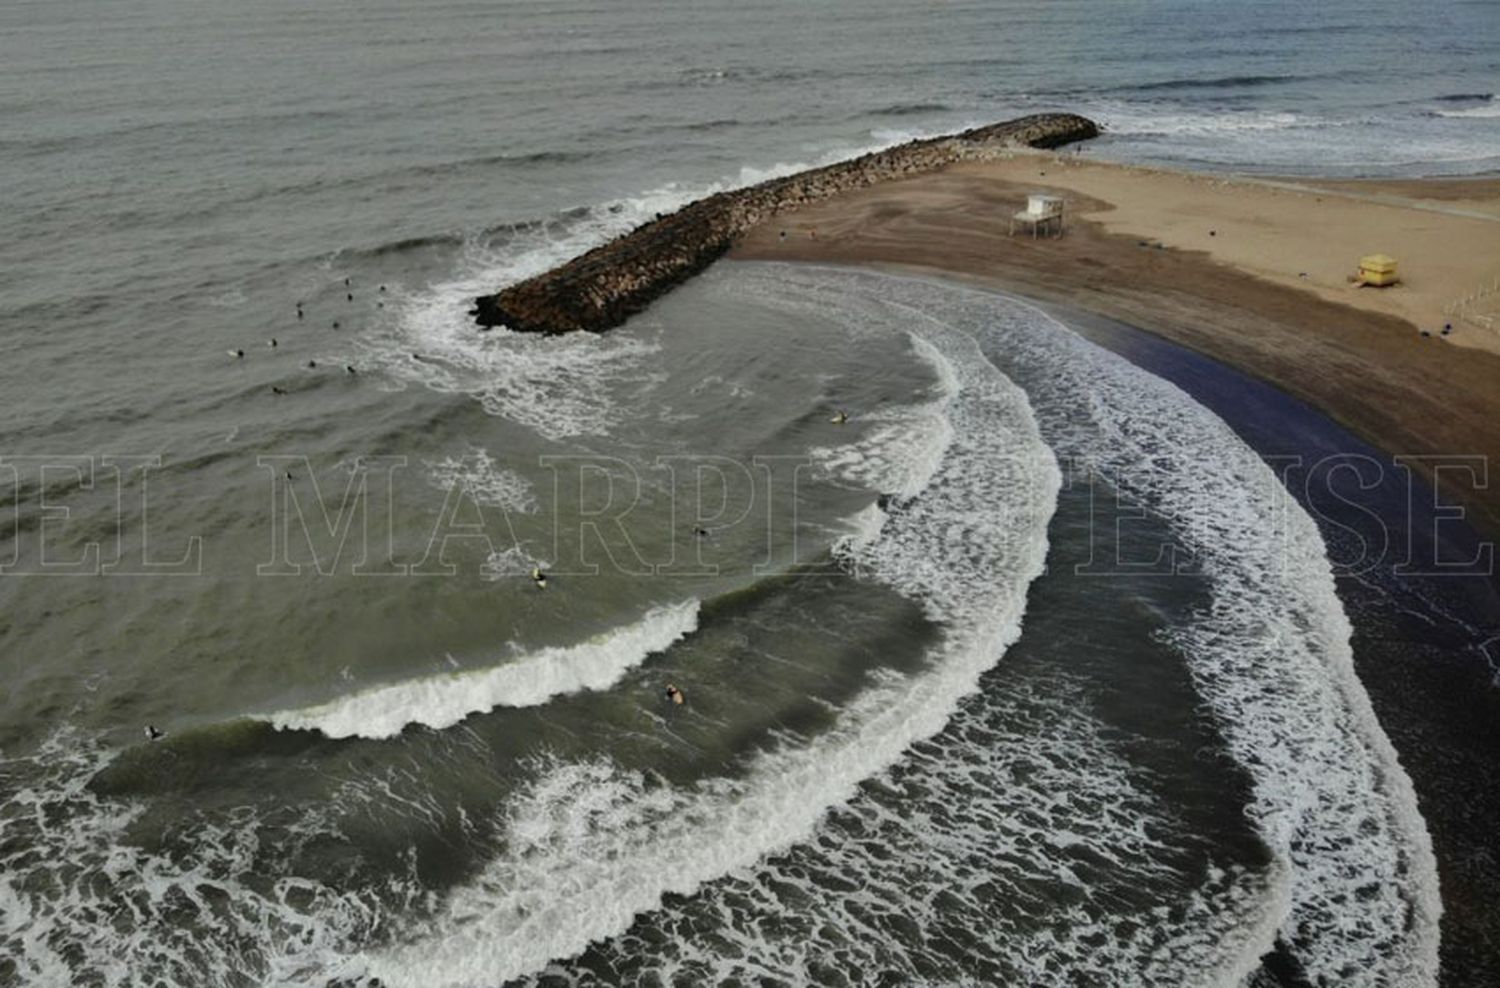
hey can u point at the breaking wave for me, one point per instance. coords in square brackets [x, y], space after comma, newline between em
[531, 679]
[1270, 654]
[591, 845]
[1487, 109]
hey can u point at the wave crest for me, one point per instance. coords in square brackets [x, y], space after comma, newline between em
[534, 678]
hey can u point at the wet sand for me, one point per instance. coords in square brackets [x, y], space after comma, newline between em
[1218, 265]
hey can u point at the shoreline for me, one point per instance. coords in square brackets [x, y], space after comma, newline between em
[1205, 316]
[1370, 371]
[1237, 283]
[1435, 699]
[1437, 704]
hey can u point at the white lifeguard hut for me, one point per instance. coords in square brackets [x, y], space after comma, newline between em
[1043, 215]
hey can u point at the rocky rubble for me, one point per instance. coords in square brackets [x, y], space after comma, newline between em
[602, 288]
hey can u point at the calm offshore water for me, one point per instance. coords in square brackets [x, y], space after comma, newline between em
[454, 778]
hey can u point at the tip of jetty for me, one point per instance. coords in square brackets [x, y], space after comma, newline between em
[602, 288]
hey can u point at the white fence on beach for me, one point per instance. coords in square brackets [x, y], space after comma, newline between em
[1472, 307]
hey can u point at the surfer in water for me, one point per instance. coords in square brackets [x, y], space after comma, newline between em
[839, 417]
[675, 695]
[539, 578]
[152, 734]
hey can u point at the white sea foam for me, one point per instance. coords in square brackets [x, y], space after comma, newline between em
[717, 384]
[589, 846]
[1136, 119]
[863, 529]
[1270, 655]
[505, 564]
[1028, 828]
[1023, 830]
[1488, 110]
[526, 681]
[898, 451]
[81, 902]
[1261, 139]
[558, 387]
[485, 481]
[889, 136]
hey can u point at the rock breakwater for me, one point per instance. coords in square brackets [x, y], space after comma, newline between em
[599, 290]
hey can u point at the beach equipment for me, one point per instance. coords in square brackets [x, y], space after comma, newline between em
[1043, 214]
[1378, 270]
[1480, 308]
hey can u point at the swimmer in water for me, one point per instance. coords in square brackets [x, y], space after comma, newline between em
[675, 695]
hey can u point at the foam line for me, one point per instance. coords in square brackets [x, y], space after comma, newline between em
[589, 846]
[81, 902]
[533, 679]
[558, 388]
[1271, 655]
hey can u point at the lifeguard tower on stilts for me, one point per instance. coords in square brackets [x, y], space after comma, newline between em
[1043, 216]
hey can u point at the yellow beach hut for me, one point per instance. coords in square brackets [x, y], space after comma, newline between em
[1378, 270]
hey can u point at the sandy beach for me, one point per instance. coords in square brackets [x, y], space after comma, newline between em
[1248, 271]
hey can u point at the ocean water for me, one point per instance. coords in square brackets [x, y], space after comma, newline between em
[265, 486]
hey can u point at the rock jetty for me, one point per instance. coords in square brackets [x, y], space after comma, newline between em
[599, 290]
